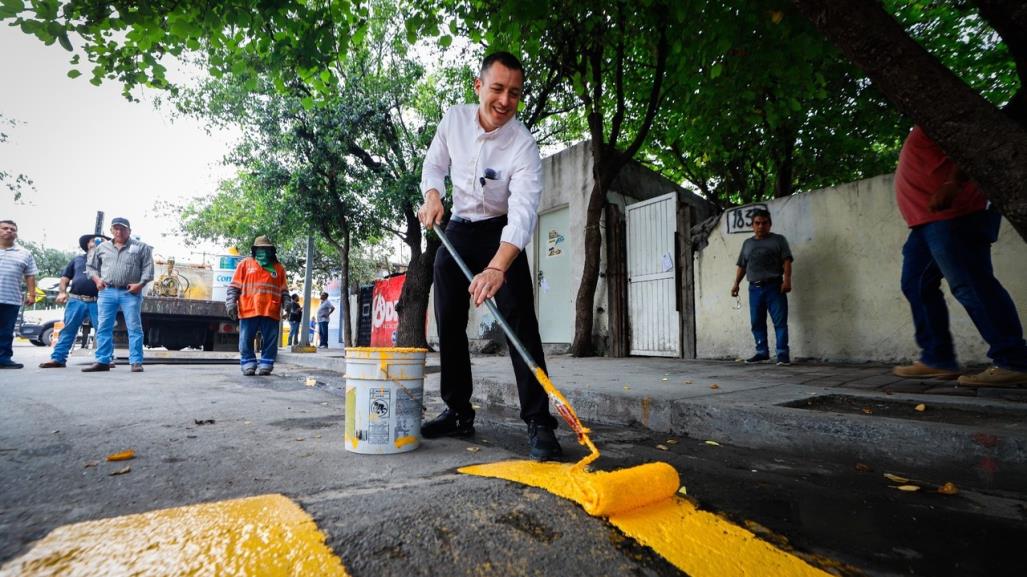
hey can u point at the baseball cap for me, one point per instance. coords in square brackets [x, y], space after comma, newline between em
[120, 221]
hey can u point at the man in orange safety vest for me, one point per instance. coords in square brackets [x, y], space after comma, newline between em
[256, 297]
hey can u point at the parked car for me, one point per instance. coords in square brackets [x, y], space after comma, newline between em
[37, 325]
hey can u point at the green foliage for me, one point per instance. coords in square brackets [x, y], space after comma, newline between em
[49, 261]
[125, 41]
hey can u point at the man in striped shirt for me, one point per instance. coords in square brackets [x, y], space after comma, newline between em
[120, 267]
[16, 264]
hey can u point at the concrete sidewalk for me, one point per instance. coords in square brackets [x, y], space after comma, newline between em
[855, 412]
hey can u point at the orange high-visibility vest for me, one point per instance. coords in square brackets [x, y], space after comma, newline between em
[260, 292]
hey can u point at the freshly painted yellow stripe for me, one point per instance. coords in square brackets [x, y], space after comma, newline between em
[266, 536]
[640, 502]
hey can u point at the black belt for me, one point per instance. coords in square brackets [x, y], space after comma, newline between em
[83, 298]
[767, 281]
[125, 287]
[501, 219]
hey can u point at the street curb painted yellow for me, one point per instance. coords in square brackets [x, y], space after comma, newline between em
[266, 536]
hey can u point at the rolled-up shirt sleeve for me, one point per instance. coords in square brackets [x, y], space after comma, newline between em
[525, 193]
[436, 161]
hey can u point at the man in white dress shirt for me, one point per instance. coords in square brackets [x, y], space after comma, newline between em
[496, 172]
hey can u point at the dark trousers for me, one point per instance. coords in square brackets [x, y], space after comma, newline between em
[477, 244]
[322, 329]
[8, 318]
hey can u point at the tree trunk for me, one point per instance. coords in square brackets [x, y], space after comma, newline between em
[347, 329]
[412, 307]
[984, 142]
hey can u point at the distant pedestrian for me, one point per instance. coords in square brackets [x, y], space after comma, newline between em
[324, 315]
[120, 268]
[295, 311]
[79, 301]
[766, 262]
[16, 264]
[256, 296]
[951, 229]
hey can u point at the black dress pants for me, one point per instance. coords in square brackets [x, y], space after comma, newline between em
[477, 243]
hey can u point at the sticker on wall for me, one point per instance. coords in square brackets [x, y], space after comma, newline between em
[555, 237]
[553, 251]
[666, 263]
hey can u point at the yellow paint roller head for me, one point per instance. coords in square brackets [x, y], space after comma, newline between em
[601, 494]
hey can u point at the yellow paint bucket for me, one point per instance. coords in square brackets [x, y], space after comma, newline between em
[384, 394]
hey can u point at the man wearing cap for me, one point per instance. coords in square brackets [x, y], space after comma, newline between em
[255, 297]
[120, 268]
[80, 301]
[16, 264]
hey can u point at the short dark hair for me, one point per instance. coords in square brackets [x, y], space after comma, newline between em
[9, 222]
[504, 58]
[295, 296]
[764, 213]
[324, 296]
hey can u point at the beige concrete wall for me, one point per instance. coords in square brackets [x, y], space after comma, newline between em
[846, 303]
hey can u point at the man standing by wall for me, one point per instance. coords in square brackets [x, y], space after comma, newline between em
[295, 318]
[79, 302]
[16, 264]
[120, 268]
[256, 297]
[951, 230]
[324, 316]
[496, 172]
[766, 261]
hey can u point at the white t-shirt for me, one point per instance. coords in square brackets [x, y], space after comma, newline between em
[493, 173]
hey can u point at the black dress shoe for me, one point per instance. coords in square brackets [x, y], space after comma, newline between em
[51, 365]
[449, 424]
[96, 367]
[543, 443]
[137, 368]
[11, 365]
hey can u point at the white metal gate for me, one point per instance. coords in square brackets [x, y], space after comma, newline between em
[652, 304]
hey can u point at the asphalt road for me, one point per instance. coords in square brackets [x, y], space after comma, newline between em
[412, 514]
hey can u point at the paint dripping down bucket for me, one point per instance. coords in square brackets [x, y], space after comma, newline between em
[384, 395]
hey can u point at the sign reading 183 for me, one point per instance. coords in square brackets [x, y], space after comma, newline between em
[740, 219]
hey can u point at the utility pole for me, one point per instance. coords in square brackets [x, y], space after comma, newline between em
[307, 281]
[98, 229]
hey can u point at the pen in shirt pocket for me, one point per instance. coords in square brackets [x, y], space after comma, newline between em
[490, 174]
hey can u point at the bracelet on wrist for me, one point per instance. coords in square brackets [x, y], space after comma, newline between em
[499, 270]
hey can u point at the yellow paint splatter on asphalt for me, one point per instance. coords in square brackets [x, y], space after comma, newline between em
[404, 441]
[268, 535]
[640, 502]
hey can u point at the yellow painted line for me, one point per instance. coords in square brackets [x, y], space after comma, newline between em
[266, 536]
[641, 502]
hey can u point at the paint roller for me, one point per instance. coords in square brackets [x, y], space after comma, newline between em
[600, 493]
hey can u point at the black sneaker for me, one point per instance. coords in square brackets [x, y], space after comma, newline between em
[543, 443]
[757, 359]
[784, 361]
[449, 424]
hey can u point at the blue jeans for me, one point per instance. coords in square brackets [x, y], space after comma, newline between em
[109, 301]
[761, 300]
[322, 329]
[294, 332]
[8, 317]
[74, 314]
[248, 329]
[959, 250]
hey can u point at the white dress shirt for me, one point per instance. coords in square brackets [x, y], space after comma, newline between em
[506, 160]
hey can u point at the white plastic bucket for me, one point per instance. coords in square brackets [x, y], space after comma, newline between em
[384, 392]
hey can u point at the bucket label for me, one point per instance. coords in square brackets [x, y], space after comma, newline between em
[379, 416]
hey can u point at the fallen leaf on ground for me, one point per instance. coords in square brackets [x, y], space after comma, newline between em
[662, 447]
[247, 422]
[895, 478]
[948, 489]
[627, 387]
[687, 382]
[122, 470]
[863, 468]
[714, 386]
[311, 382]
[713, 443]
[920, 408]
[90, 464]
[868, 410]
[473, 449]
[683, 490]
[204, 421]
[908, 488]
[317, 436]
[300, 438]
[664, 379]
[671, 441]
[122, 456]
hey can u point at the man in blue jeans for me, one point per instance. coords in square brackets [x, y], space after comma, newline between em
[766, 261]
[951, 229]
[79, 303]
[120, 268]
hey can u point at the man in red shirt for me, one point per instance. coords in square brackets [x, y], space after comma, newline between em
[951, 229]
[255, 297]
